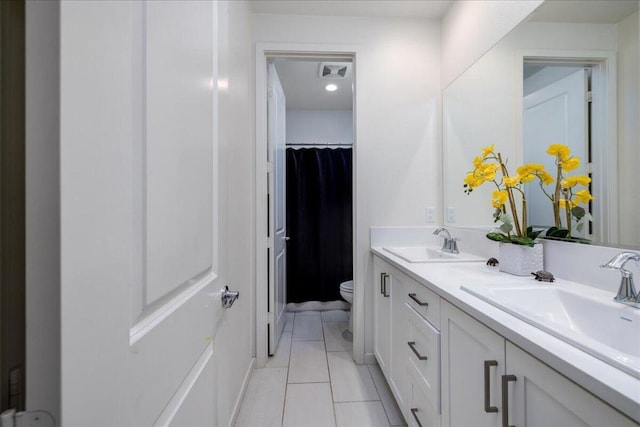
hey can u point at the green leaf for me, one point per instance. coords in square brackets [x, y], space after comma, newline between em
[551, 230]
[506, 228]
[533, 235]
[580, 226]
[498, 237]
[522, 241]
[561, 233]
[578, 212]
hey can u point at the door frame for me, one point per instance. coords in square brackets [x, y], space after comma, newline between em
[604, 127]
[263, 52]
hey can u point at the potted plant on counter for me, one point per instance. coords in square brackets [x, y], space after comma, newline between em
[519, 254]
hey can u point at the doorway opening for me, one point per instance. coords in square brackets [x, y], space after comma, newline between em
[310, 202]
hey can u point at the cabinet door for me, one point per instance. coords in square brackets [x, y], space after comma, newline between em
[472, 364]
[382, 314]
[399, 357]
[541, 397]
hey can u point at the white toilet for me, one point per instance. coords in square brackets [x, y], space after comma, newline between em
[346, 291]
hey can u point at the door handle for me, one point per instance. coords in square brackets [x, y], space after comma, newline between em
[505, 399]
[487, 386]
[228, 297]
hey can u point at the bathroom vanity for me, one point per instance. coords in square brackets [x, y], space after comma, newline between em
[453, 359]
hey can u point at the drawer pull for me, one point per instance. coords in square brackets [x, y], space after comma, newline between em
[414, 411]
[487, 386]
[382, 282]
[505, 399]
[412, 346]
[420, 303]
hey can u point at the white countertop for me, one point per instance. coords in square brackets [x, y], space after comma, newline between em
[612, 385]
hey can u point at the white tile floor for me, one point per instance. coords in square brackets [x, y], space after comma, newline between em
[313, 381]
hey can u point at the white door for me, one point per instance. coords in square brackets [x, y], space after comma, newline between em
[555, 114]
[139, 296]
[276, 111]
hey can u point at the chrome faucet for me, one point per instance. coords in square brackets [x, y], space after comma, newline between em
[450, 243]
[626, 292]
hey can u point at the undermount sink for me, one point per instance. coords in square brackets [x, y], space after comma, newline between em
[430, 254]
[592, 322]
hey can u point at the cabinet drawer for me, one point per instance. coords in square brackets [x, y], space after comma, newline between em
[424, 301]
[423, 349]
[420, 412]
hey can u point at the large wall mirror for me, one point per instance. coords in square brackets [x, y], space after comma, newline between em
[569, 74]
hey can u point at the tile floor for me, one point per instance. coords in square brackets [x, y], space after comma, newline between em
[312, 381]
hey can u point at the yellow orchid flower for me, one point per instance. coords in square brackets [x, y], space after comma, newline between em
[511, 181]
[570, 164]
[546, 177]
[499, 198]
[487, 150]
[561, 151]
[572, 181]
[477, 162]
[583, 196]
[471, 180]
[564, 203]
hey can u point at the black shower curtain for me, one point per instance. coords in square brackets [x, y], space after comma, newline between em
[319, 223]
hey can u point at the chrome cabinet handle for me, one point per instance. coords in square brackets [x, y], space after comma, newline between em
[412, 346]
[505, 399]
[420, 303]
[487, 386]
[414, 411]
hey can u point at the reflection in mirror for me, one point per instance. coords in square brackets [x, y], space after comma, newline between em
[591, 47]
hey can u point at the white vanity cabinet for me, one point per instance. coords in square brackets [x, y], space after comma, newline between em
[407, 342]
[482, 373]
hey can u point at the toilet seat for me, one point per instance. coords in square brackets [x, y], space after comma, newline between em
[347, 286]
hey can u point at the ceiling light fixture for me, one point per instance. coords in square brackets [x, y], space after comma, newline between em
[331, 87]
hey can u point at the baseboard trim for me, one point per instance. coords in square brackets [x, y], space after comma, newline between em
[370, 359]
[243, 391]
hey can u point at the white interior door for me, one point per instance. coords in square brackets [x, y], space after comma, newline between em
[276, 123]
[555, 114]
[139, 295]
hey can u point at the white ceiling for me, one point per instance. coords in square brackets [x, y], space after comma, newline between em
[429, 9]
[304, 89]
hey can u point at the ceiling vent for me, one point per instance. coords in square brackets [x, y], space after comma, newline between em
[334, 70]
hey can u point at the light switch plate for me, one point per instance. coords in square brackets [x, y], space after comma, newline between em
[430, 214]
[451, 214]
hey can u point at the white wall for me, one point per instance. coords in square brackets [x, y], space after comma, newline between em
[237, 240]
[397, 115]
[43, 206]
[471, 27]
[319, 126]
[628, 130]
